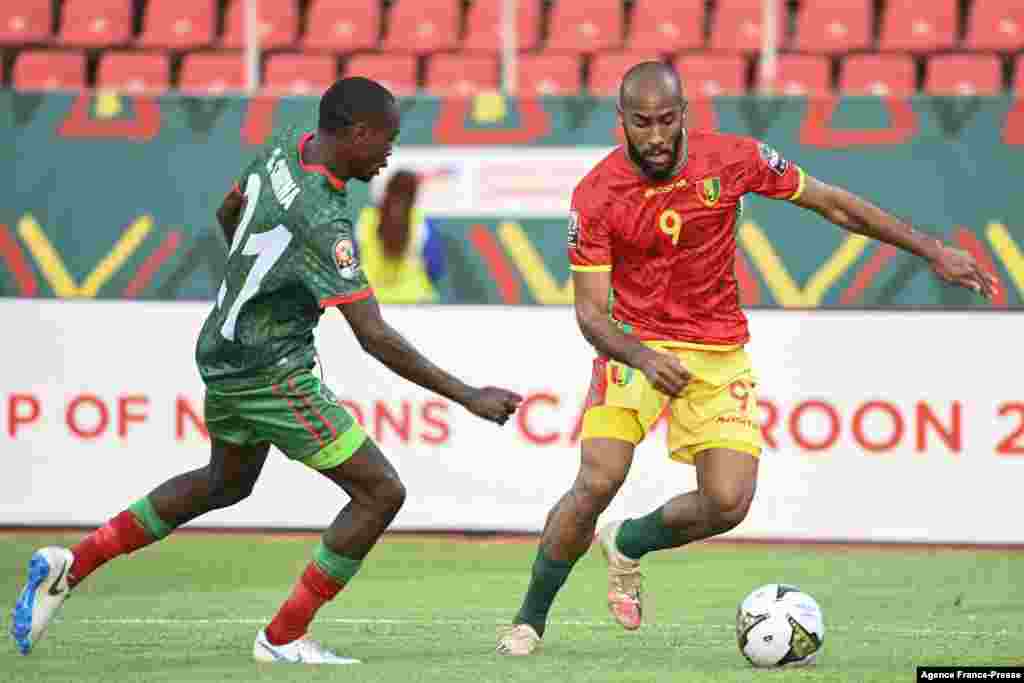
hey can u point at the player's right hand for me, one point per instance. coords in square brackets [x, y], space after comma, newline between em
[492, 403]
[665, 373]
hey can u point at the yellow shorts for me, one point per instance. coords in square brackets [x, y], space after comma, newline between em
[718, 409]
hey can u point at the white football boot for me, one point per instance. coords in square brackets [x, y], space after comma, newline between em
[305, 650]
[41, 598]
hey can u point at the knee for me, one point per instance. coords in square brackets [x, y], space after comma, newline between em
[728, 507]
[596, 491]
[388, 496]
[222, 496]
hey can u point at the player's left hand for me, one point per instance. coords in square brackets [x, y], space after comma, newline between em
[494, 404]
[957, 267]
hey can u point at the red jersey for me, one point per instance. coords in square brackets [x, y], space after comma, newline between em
[671, 246]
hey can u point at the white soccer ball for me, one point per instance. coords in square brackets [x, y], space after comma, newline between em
[779, 625]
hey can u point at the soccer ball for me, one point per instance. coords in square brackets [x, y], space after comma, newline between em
[778, 625]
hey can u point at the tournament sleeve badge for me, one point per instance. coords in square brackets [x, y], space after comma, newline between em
[345, 257]
[774, 160]
[574, 229]
[710, 191]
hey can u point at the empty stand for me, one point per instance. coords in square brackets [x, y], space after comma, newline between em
[995, 26]
[354, 25]
[802, 75]
[95, 23]
[49, 70]
[834, 26]
[178, 24]
[964, 74]
[299, 74]
[585, 26]
[709, 76]
[666, 26]
[738, 23]
[422, 26]
[607, 70]
[461, 75]
[395, 72]
[547, 74]
[278, 24]
[25, 21]
[134, 71]
[212, 73]
[919, 26]
[483, 25]
[878, 75]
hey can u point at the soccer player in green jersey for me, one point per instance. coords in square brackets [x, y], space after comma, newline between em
[292, 255]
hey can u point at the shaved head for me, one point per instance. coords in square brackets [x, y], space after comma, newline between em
[650, 84]
[652, 109]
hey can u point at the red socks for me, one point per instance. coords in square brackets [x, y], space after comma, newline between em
[121, 535]
[313, 590]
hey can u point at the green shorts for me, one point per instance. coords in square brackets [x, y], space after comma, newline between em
[298, 414]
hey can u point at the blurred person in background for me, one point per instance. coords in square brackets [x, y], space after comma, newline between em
[402, 252]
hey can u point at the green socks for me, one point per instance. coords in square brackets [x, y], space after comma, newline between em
[637, 537]
[338, 567]
[144, 511]
[548, 577]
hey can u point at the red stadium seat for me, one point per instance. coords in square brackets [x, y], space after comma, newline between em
[49, 70]
[964, 75]
[212, 73]
[422, 26]
[461, 76]
[549, 75]
[833, 26]
[178, 24]
[737, 25]
[919, 26]
[585, 26]
[95, 23]
[353, 25]
[396, 72]
[666, 27]
[995, 26]
[278, 24]
[878, 75]
[1018, 77]
[483, 25]
[607, 70]
[298, 74]
[715, 75]
[802, 75]
[134, 71]
[26, 21]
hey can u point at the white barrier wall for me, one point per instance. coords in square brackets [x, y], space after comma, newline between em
[889, 426]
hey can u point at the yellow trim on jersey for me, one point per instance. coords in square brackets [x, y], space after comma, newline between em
[800, 186]
[669, 344]
[688, 453]
[590, 269]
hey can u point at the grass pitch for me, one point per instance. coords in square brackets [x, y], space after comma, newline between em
[426, 609]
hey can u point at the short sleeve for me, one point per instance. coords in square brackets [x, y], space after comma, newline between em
[769, 174]
[331, 271]
[590, 246]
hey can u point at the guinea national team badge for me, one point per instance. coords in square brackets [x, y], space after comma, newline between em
[345, 257]
[710, 191]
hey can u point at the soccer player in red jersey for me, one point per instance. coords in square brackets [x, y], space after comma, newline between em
[652, 248]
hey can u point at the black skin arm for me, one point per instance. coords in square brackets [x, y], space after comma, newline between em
[230, 212]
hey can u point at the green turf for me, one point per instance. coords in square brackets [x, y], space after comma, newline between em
[424, 609]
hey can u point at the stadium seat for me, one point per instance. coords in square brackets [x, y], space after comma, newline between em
[919, 26]
[607, 70]
[666, 27]
[709, 76]
[354, 25]
[878, 75]
[212, 73]
[461, 75]
[178, 24]
[737, 25]
[298, 74]
[802, 75]
[964, 74]
[279, 24]
[585, 26]
[422, 26]
[26, 21]
[483, 25]
[833, 26]
[95, 23]
[549, 75]
[395, 72]
[134, 71]
[49, 70]
[995, 26]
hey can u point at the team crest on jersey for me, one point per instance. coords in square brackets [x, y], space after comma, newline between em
[773, 159]
[345, 257]
[710, 191]
[574, 229]
[621, 374]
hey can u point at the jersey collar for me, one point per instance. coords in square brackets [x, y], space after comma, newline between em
[336, 182]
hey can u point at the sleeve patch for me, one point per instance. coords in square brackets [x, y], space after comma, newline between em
[774, 160]
[345, 258]
[574, 229]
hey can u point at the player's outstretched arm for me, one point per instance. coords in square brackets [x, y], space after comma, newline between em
[855, 214]
[230, 212]
[384, 343]
[664, 371]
